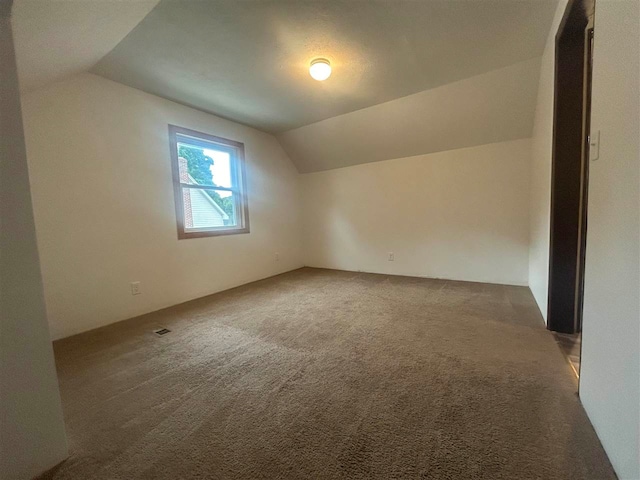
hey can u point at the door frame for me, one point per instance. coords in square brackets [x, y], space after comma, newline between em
[570, 167]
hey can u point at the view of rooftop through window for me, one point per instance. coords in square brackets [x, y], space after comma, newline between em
[210, 167]
[209, 184]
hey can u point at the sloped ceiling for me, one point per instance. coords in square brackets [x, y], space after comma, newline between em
[54, 39]
[410, 77]
[248, 60]
[492, 107]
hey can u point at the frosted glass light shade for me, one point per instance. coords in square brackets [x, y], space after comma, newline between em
[320, 69]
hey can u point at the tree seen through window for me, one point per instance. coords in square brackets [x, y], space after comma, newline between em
[199, 166]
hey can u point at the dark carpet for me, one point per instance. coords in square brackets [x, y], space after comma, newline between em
[320, 374]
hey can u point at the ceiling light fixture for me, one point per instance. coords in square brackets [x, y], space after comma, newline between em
[320, 69]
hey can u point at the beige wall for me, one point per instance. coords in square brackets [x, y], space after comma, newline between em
[461, 214]
[98, 156]
[32, 435]
[541, 151]
[610, 371]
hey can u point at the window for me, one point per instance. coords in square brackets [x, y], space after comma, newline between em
[208, 183]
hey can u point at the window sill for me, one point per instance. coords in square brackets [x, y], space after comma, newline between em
[182, 235]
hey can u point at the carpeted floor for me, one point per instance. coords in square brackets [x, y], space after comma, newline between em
[319, 374]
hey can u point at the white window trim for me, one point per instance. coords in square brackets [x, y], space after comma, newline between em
[238, 181]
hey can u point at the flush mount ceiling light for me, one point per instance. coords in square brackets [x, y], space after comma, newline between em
[320, 69]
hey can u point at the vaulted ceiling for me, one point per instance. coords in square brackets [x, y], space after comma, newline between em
[248, 60]
[492, 107]
[409, 77]
[55, 39]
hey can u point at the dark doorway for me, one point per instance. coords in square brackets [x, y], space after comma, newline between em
[570, 167]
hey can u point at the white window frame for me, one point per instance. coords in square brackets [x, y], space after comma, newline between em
[238, 181]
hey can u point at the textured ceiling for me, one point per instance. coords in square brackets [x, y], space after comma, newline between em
[496, 106]
[57, 38]
[248, 60]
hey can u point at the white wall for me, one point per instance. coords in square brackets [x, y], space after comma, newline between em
[541, 148]
[610, 370]
[460, 214]
[496, 106]
[98, 156]
[610, 343]
[32, 436]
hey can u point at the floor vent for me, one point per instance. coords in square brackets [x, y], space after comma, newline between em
[162, 331]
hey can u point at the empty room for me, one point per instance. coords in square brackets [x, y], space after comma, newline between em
[323, 239]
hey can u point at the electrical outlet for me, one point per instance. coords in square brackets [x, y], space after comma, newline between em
[391, 257]
[277, 257]
[135, 288]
